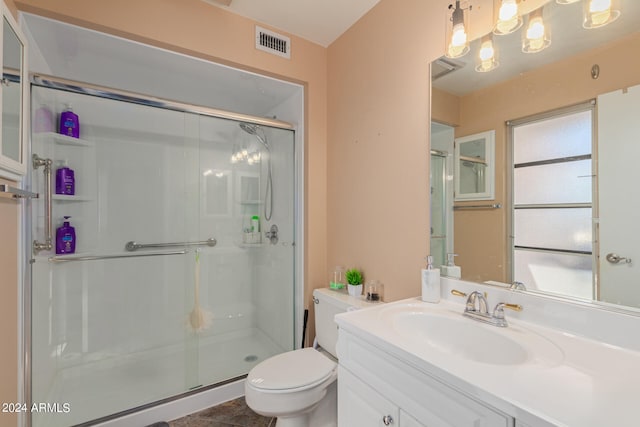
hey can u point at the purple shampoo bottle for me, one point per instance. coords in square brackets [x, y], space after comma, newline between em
[65, 180]
[65, 238]
[69, 123]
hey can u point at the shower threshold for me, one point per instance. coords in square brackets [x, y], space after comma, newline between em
[116, 384]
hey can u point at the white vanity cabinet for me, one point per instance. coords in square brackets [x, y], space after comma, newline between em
[363, 406]
[376, 388]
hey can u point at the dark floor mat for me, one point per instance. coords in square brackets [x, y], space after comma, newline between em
[160, 424]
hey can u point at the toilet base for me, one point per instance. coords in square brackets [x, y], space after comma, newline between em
[325, 414]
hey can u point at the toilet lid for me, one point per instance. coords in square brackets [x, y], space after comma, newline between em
[293, 369]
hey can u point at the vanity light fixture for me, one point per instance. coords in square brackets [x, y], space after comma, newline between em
[507, 17]
[598, 13]
[486, 59]
[536, 35]
[457, 37]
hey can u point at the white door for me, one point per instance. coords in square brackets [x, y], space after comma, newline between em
[618, 157]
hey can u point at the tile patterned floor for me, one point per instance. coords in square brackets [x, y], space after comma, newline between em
[234, 413]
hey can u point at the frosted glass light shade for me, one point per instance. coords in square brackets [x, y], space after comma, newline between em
[487, 56]
[598, 13]
[507, 17]
[457, 38]
[536, 36]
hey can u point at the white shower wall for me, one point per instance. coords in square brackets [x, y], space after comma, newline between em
[141, 177]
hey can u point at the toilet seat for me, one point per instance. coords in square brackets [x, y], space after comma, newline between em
[293, 370]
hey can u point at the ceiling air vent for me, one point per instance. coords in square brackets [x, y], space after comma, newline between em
[274, 43]
[441, 67]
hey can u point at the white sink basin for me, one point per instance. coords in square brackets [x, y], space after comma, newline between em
[457, 336]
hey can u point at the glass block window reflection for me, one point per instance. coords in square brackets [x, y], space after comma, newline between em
[552, 203]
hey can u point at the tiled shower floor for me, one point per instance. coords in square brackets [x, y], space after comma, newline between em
[234, 413]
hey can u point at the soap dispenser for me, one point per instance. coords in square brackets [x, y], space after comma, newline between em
[451, 269]
[69, 123]
[65, 238]
[430, 282]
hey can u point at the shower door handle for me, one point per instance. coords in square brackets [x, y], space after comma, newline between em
[46, 163]
[617, 259]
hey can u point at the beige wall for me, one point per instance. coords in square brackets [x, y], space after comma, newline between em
[378, 151]
[9, 211]
[481, 236]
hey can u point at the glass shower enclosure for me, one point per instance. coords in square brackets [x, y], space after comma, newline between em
[174, 285]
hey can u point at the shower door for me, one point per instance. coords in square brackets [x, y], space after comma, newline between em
[169, 289]
[440, 242]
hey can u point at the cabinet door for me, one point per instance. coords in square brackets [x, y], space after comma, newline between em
[13, 98]
[407, 420]
[360, 406]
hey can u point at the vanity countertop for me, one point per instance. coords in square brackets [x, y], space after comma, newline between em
[572, 381]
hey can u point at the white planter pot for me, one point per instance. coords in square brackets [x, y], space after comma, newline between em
[355, 290]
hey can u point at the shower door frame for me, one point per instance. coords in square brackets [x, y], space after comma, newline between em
[26, 243]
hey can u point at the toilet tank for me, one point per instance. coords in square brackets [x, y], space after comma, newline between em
[328, 303]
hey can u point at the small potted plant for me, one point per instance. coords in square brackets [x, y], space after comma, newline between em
[354, 279]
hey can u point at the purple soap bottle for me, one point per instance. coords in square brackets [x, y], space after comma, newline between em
[65, 238]
[69, 123]
[65, 180]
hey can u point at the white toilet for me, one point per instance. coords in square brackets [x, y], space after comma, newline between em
[299, 387]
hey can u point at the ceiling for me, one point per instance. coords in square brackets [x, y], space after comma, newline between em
[319, 21]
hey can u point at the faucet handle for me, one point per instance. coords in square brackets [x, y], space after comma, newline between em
[498, 312]
[458, 293]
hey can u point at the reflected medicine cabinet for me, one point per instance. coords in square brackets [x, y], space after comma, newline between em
[13, 94]
[475, 167]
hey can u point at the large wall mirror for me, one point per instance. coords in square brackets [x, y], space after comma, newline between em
[566, 120]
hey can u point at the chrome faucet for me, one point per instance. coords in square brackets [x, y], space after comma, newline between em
[517, 286]
[476, 308]
[476, 298]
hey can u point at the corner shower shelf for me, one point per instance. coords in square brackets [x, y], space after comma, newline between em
[67, 198]
[64, 140]
[251, 245]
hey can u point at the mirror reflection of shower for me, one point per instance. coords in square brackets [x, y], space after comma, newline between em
[472, 174]
[260, 135]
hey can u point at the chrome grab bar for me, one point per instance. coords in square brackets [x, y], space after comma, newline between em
[47, 245]
[101, 257]
[133, 246]
[17, 193]
[487, 206]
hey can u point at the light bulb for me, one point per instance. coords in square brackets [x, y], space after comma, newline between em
[459, 37]
[250, 160]
[508, 19]
[244, 152]
[234, 159]
[598, 13]
[508, 10]
[536, 29]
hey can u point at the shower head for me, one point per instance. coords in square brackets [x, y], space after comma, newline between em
[255, 130]
[249, 128]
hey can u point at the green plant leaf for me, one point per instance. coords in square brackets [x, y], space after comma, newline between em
[354, 276]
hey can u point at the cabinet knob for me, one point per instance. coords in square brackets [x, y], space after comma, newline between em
[387, 420]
